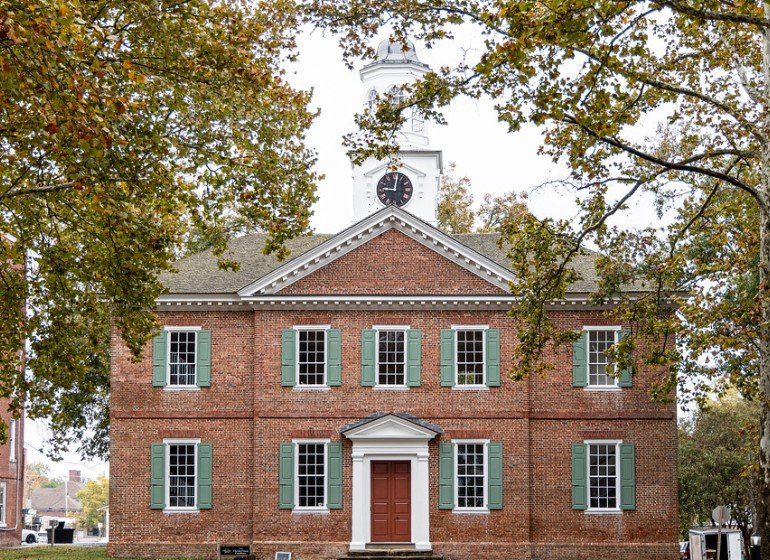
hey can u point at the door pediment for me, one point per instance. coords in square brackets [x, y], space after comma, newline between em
[390, 426]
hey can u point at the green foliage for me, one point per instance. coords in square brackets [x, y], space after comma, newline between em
[455, 212]
[126, 127]
[718, 463]
[497, 210]
[94, 495]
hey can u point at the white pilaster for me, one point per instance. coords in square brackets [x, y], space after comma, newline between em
[421, 503]
[360, 515]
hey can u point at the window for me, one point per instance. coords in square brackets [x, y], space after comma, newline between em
[311, 475]
[391, 357]
[470, 357]
[2, 504]
[181, 474]
[311, 360]
[182, 358]
[471, 475]
[12, 440]
[396, 95]
[371, 101]
[603, 472]
[599, 341]
[418, 121]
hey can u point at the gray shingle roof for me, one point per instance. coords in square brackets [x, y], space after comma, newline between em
[52, 499]
[199, 274]
[403, 415]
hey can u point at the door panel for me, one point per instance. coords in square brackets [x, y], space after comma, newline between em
[391, 501]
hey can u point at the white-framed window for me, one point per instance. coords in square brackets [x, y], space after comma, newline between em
[181, 474]
[311, 471]
[12, 440]
[371, 100]
[471, 475]
[182, 357]
[312, 352]
[418, 121]
[603, 470]
[600, 339]
[391, 355]
[470, 356]
[397, 95]
[2, 505]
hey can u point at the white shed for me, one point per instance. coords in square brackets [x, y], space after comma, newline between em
[703, 544]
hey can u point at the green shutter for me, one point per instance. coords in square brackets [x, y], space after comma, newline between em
[495, 475]
[205, 460]
[203, 359]
[579, 476]
[368, 346]
[446, 475]
[627, 375]
[288, 357]
[159, 359]
[334, 358]
[493, 357]
[286, 477]
[627, 476]
[414, 357]
[334, 479]
[157, 476]
[580, 361]
[447, 358]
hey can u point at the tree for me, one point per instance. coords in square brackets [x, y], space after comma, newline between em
[124, 126]
[497, 210]
[455, 212]
[718, 464]
[94, 496]
[35, 475]
[594, 75]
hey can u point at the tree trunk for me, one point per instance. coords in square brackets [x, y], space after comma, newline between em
[763, 493]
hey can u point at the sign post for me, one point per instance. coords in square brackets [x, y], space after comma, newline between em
[720, 514]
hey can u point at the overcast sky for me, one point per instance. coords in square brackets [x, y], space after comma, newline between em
[495, 161]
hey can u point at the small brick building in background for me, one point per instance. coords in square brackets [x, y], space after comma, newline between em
[357, 396]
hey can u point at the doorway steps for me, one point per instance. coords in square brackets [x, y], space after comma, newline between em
[390, 553]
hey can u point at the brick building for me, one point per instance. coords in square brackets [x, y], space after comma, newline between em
[356, 396]
[11, 479]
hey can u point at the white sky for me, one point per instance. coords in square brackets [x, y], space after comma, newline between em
[495, 161]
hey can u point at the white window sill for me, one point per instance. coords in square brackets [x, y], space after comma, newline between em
[391, 388]
[601, 389]
[181, 510]
[603, 511]
[471, 511]
[181, 388]
[311, 388]
[306, 511]
[470, 388]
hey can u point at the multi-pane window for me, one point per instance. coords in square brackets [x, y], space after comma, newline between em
[602, 476]
[599, 341]
[371, 101]
[470, 357]
[2, 503]
[311, 475]
[12, 440]
[470, 475]
[312, 357]
[391, 357]
[181, 359]
[181, 475]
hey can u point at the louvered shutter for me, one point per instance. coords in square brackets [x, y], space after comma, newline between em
[626, 378]
[580, 361]
[205, 468]
[493, 357]
[446, 475]
[627, 476]
[414, 357]
[334, 479]
[579, 476]
[286, 476]
[288, 357]
[203, 358]
[368, 349]
[334, 358]
[447, 358]
[495, 475]
[159, 359]
[157, 476]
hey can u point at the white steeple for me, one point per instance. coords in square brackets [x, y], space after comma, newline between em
[414, 185]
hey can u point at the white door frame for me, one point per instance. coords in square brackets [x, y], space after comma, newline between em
[390, 438]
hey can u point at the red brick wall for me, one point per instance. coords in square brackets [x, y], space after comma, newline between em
[12, 473]
[246, 414]
[377, 267]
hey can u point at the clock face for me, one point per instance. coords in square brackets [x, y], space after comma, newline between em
[394, 188]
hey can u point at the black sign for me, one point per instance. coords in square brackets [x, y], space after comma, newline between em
[230, 550]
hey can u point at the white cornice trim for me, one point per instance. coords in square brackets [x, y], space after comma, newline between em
[390, 217]
[375, 171]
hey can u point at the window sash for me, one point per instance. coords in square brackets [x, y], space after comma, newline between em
[480, 480]
[2, 504]
[603, 485]
[396, 361]
[311, 481]
[307, 364]
[188, 500]
[462, 378]
[182, 365]
[12, 441]
[599, 340]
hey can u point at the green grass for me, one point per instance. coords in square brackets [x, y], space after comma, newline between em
[56, 553]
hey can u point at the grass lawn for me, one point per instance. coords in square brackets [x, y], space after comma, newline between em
[55, 553]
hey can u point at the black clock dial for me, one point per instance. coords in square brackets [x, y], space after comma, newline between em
[394, 188]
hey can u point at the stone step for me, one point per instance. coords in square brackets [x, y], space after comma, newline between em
[382, 555]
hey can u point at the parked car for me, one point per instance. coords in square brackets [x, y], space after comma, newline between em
[31, 537]
[684, 550]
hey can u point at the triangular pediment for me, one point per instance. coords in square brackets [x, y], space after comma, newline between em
[375, 225]
[383, 167]
[391, 427]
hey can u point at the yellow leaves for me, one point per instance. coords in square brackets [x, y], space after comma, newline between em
[63, 9]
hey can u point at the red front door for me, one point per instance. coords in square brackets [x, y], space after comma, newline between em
[391, 501]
